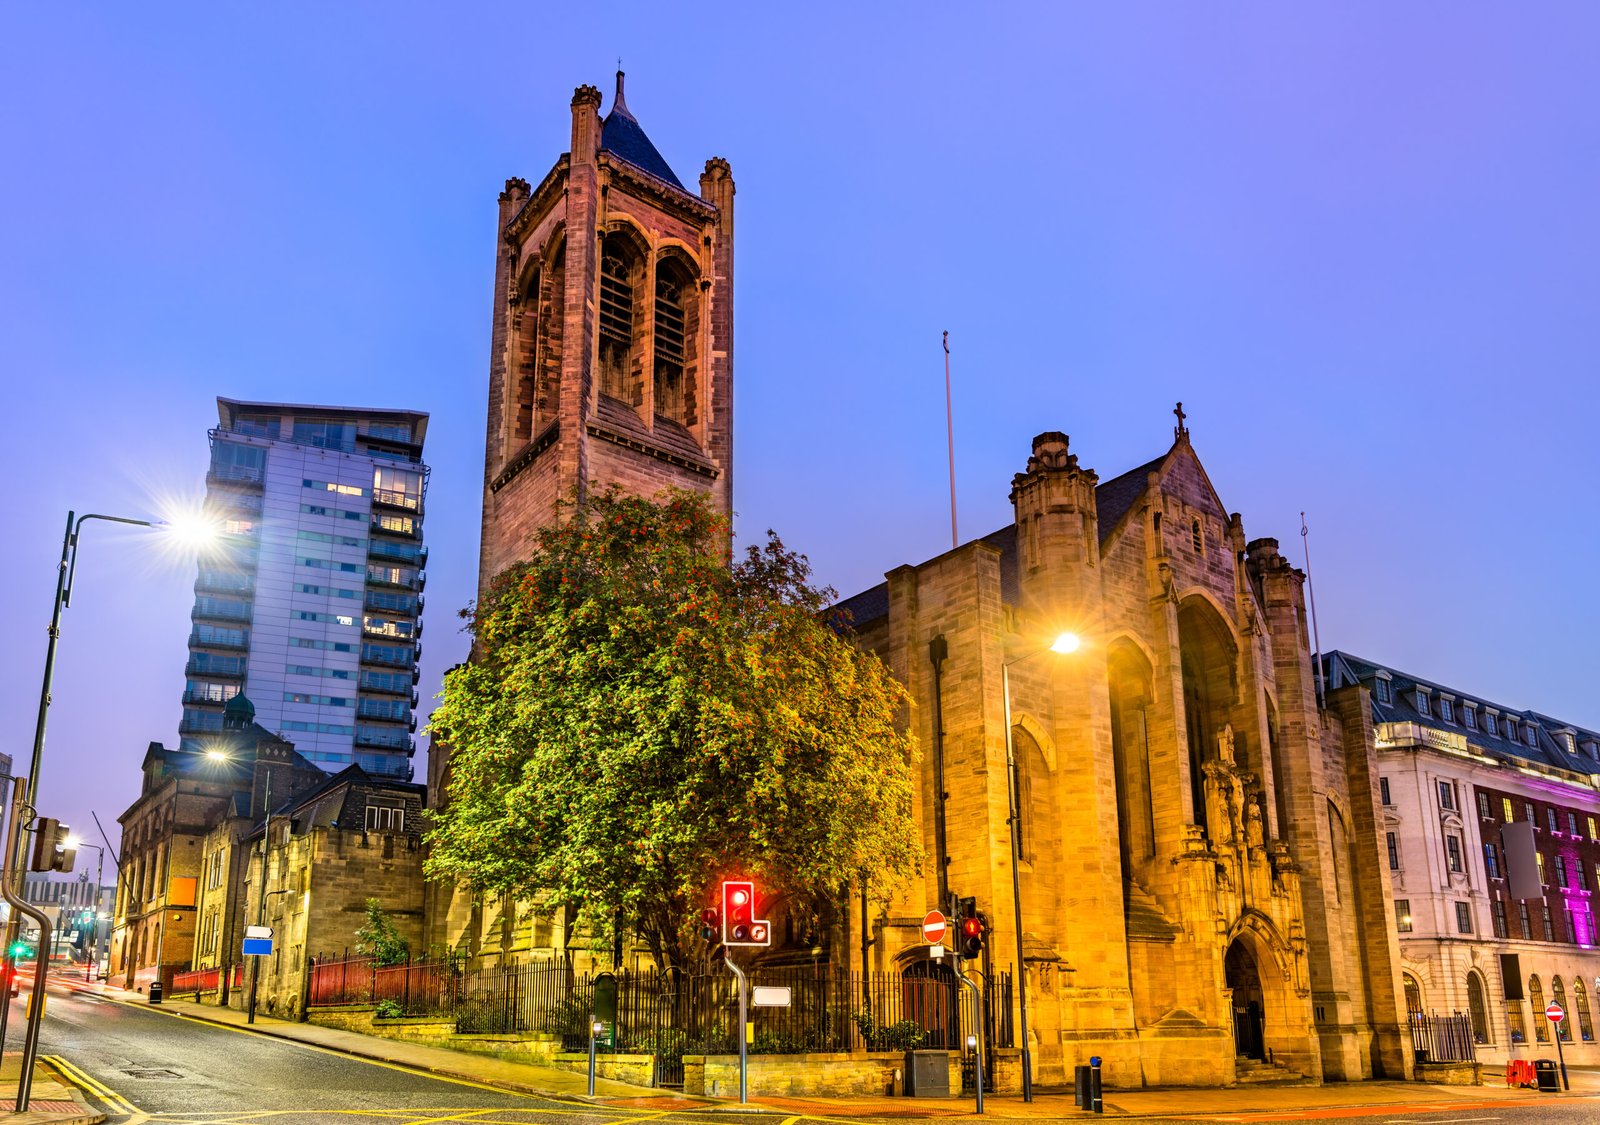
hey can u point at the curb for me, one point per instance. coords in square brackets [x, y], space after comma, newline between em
[376, 1056]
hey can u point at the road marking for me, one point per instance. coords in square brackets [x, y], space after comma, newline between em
[78, 1077]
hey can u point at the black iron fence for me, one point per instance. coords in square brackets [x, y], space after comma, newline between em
[1437, 1038]
[670, 1015]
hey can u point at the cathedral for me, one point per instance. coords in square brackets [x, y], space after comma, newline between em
[1190, 826]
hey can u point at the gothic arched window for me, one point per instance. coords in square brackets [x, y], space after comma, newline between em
[616, 321]
[1558, 995]
[677, 327]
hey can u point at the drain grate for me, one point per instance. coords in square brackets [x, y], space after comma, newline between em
[152, 1072]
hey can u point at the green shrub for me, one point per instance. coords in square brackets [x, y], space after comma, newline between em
[390, 1010]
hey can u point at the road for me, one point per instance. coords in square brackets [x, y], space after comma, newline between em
[141, 1065]
[156, 1064]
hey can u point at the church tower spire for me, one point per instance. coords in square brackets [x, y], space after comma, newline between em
[611, 360]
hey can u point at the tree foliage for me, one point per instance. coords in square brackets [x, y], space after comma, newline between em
[379, 939]
[643, 718]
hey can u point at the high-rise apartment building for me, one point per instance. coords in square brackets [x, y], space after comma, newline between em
[311, 607]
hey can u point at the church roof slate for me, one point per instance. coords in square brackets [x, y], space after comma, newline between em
[622, 136]
[1113, 498]
[1342, 668]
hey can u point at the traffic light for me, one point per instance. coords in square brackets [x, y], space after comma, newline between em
[740, 926]
[710, 924]
[51, 848]
[971, 928]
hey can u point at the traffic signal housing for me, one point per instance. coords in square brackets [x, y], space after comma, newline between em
[710, 923]
[971, 927]
[740, 926]
[51, 848]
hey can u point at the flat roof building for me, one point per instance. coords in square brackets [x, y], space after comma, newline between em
[312, 604]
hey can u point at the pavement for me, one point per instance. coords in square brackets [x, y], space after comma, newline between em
[52, 1100]
[1242, 1103]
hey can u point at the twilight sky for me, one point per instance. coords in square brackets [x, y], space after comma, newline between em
[1358, 241]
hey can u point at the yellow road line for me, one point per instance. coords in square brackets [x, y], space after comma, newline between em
[78, 1077]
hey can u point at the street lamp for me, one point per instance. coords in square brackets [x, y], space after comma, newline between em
[190, 531]
[1063, 644]
[99, 874]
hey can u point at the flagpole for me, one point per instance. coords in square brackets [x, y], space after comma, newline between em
[950, 439]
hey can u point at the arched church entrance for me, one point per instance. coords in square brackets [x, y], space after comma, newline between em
[930, 996]
[1249, 1002]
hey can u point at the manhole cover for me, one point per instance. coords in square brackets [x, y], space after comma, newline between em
[152, 1072]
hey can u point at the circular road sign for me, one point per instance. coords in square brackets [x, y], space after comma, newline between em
[934, 927]
[1554, 1013]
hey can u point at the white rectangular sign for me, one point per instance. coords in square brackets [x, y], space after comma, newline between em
[258, 931]
[769, 996]
[936, 952]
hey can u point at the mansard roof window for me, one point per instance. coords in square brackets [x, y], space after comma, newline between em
[1447, 710]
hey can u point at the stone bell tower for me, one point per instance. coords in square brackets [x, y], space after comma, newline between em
[611, 361]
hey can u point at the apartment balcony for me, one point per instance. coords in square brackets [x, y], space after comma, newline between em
[238, 639]
[404, 501]
[374, 737]
[219, 610]
[380, 528]
[225, 583]
[204, 697]
[389, 631]
[200, 722]
[235, 475]
[231, 667]
[406, 604]
[383, 710]
[386, 656]
[408, 553]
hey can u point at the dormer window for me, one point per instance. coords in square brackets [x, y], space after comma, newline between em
[1491, 725]
[1569, 741]
[1530, 734]
[1469, 716]
[1380, 688]
[1422, 705]
[1447, 710]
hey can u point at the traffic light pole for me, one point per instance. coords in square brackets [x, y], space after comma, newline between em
[744, 1014]
[977, 1029]
[41, 961]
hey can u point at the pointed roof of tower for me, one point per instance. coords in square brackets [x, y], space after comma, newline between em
[621, 136]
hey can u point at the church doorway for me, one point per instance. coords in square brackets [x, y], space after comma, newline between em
[1249, 1022]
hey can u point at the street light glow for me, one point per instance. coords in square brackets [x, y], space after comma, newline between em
[218, 756]
[1065, 643]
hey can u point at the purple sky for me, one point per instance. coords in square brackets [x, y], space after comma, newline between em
[1359, 243]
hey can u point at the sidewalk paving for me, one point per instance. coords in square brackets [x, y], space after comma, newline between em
[50, 1101]
[1238, 1103]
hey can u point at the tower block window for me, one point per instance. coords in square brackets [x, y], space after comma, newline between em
[616, 324]
[677, 324]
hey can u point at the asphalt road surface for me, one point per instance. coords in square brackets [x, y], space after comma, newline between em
[139, 1066]
[142, 1065]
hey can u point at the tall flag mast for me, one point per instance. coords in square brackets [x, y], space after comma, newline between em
[950, 439]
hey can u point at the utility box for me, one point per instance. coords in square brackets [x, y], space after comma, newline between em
[927, 1074]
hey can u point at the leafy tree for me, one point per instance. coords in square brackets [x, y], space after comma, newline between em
[643, 718]
[379, 939]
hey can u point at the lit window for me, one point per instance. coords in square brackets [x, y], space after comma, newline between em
[1402, 915]
[1543, 882]
[1505, 807]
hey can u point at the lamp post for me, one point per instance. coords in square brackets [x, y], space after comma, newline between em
[1065, 643]
[99, 874]
[66, 570]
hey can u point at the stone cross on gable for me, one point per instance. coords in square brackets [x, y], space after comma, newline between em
[1180, 430]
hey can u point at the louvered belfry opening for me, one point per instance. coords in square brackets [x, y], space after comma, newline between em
[669, 348]
[616, 323]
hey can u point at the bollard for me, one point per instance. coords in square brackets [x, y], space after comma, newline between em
[595, 1029]
[1096, 1103]
[1080, 1086]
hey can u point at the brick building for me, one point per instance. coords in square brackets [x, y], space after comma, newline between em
[354, 837]
[1454, 768]
[611, 363]
[185, 794]
[1237, 911]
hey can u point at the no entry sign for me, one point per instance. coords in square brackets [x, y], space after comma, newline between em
[934, 927]
[1554, 1013]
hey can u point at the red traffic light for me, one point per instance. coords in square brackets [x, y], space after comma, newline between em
[709, 916]
[740, 926]
[971, 927]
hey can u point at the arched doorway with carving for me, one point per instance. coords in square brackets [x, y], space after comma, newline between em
[1249, 1002]
[1271, 1016]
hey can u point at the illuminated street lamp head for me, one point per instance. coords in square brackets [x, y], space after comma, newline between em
[191, 530]
[218, 756]
[1065, 643]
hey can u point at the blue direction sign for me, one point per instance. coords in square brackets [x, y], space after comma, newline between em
[257, 941]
